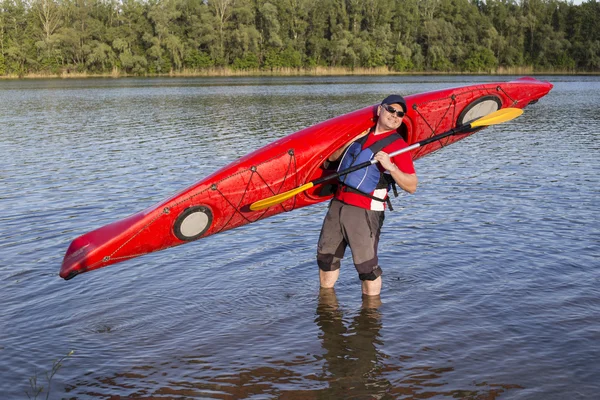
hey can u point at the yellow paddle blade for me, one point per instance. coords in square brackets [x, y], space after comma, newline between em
[497, 117]
[279, 198]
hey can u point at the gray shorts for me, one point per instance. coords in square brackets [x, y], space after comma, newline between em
[347, 225]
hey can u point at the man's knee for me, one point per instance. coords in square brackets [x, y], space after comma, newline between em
[328, 262]
[370, 276]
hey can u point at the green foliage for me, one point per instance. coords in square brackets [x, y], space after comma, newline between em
[403, 59]
[197, 60]
[250, 61]
[291, 58]
[376, 58]
[480, 59]
[288, 58]
[159, 36]
[101, 57]
[136, 65]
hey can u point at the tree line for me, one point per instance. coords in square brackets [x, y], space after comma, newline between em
[142, 37]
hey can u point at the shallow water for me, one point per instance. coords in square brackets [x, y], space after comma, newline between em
[491, 285]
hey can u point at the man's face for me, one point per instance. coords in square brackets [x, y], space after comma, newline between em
[388, 117]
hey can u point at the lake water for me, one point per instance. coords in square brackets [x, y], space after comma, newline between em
[491, 270]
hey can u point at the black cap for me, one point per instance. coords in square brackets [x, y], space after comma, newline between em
[395, 99]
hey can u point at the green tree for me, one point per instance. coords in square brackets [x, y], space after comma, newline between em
[101, 57]
[199, 36]
[318, 32]
[480, 59]
[166, 49]
[242, 37]
[249, 61]
[2, 65]
[268, 26]
[403, 58]
[293, 15]
[440, 39]
[48, 14]
[222, 11]
[19, 50]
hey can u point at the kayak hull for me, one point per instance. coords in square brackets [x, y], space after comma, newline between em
[221, 201]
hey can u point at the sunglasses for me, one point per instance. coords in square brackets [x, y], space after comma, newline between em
[392, 110]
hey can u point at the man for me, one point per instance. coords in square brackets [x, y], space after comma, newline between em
[356, 213]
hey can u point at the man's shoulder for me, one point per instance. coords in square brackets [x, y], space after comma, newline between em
[397, 144]
[378, 138]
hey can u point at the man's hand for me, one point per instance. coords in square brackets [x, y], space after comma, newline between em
[384, 160]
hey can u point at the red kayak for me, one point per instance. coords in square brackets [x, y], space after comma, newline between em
[221, 201]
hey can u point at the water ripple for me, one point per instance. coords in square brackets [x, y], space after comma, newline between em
[490, 270]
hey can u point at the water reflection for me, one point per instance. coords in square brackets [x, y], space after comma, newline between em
[350, 363]
[353, 363]
[356, 368]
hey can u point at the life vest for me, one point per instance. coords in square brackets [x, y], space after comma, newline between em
[364, 181]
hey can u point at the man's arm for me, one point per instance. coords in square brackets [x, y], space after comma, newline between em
[407, 182]
[338, 153]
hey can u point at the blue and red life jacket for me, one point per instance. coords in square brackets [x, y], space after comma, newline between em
[364, 181]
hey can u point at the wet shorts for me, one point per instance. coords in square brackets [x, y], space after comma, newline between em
[347, 225]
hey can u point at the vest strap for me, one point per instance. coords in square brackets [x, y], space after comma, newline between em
[387, 200]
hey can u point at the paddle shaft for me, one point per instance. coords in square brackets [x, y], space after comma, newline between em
[497, 117]
[392, 154]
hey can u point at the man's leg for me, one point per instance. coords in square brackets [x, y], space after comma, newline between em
[372, 288]
[328, 278]
[362, 229]
[331, 247]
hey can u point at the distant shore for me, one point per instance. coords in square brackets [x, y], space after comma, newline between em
[283, 72]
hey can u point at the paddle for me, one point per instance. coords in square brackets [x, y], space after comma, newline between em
[494, 118]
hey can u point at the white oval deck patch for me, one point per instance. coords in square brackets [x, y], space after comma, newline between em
[194, 224]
